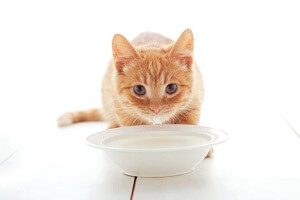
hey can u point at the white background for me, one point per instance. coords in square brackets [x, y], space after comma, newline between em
[53, 55]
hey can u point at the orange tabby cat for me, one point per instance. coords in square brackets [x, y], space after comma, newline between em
[151, 80]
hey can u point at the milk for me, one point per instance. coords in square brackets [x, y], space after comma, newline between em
[157, 140]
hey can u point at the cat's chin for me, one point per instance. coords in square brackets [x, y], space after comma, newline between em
[157, 120]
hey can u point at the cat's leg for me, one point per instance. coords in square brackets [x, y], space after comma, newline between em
[113, 125]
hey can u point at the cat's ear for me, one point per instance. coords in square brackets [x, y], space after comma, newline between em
[182, 50]
[123, 52]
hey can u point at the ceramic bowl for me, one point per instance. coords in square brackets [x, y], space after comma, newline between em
[157, 150]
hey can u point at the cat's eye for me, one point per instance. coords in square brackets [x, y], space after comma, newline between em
[139, 90]
[171, 88]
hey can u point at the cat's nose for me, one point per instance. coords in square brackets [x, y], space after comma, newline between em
[155, 108]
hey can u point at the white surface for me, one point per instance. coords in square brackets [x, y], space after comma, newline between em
[62, 166]
[8, 146]
[175, 149]
[260, 161]
[53, 55]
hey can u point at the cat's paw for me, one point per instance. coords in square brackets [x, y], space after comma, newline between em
[65, 119]
[210, 153]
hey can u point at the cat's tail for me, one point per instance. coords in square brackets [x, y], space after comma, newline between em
[80, 116]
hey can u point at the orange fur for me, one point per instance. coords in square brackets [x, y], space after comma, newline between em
[153, 61]
[80, 116]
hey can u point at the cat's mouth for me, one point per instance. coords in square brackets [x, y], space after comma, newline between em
[157, 120]
[160, 118]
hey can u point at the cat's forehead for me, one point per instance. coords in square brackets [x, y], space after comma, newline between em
[154, 67]
[156, 71]
[154, 75]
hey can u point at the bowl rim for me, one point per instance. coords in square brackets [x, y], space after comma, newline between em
[218, 136]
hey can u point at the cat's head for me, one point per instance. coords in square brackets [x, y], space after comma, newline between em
[154, 83]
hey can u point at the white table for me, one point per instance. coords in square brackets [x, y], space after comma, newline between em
[260, 161]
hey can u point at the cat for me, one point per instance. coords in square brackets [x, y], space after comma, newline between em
[152, 80]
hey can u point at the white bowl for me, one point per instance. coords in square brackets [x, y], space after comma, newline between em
[158, 150]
